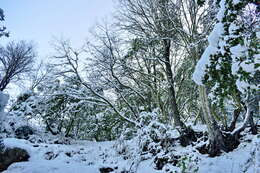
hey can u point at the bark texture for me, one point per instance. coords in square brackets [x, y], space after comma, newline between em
[217, 141]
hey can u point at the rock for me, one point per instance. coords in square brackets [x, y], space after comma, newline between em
[50, 155]
[202, 149]
[188, 137]
[1, 144]
[23, 132]
[160, 162]
[68, 154]
[65, 141]
[12, 155]
[106, 170]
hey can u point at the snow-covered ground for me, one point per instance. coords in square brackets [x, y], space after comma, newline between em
[89, 157]
[244, 159]
[82, 156]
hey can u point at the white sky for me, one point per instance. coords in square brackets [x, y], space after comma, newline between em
[42, 20]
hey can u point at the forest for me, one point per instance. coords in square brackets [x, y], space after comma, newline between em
[167, 86]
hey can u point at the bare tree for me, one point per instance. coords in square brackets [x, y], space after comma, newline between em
[39, 75]
[69, 61]
[16, 59]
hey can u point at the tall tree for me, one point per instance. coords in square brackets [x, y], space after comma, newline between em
[230, 64]
[176, 26]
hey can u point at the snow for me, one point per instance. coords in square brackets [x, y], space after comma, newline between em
[51, 167]
[84, 157]
[258, 34]
[213, 40]
[217, 40]
[88, 156]
[200, 69]
[239, 161]
[221, 11]
[3, 101]
[238, 50]
[247, 66]
[232, 28]
[236, 1]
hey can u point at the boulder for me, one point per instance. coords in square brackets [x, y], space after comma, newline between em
[23, 132]
[12, 155]
[106, 170]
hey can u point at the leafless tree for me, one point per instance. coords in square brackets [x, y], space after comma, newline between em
[69, 61]
[16, 59]
[39, 75]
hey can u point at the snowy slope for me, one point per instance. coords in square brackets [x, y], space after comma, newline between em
[86, 156]
[83, 156]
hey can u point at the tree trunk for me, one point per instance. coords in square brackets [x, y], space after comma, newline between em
[48, 127]
[4, 82]
[174, 112]
[69, 128]
[250, 110]
[255, 107]
[236, 114]
[215, 136]
[253, 126]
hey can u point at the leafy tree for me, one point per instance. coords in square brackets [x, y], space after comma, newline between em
[228, 67]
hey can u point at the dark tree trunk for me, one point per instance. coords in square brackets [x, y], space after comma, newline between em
[253, 126]
[50, 129]
[69, 128]
[236, 114]
[4, 82]
[174, 112]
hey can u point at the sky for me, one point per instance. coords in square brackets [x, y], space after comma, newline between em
[41, 21]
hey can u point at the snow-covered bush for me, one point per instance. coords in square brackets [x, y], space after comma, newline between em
[3, 101]
[155, 141]
[150, 139]
[63, 107]
[25, 104]
[155, 137]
